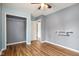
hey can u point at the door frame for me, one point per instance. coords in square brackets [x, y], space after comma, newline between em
[5, 25]
[35, 30]
[39, 23]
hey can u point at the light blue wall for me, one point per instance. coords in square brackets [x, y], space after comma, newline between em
[14, 11]
[0, 26]
[64, 20]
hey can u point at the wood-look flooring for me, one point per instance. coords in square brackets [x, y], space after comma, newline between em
[37, 49]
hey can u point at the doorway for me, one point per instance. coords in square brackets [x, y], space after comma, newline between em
[15, 29]
[36, 30]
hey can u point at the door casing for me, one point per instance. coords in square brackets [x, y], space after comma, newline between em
[5, 27]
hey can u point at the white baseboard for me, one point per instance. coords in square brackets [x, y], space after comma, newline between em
[1, 51]
[13, 44]
[62, 46]
[29, 43]
[16, 43]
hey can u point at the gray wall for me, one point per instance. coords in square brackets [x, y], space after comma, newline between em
[0, 27]
[63, 20]
[16, 29]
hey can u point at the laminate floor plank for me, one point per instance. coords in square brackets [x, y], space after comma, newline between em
[37, 48]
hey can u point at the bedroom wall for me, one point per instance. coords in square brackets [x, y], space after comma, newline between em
[66, 20]
[0, 26]
[14, 10]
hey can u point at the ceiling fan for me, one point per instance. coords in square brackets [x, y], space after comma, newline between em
[43, 6]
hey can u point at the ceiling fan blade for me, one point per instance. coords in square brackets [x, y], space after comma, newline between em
[49, 6]
[39, 7]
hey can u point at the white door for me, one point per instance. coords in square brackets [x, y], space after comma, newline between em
[36, 30]
[39, 30]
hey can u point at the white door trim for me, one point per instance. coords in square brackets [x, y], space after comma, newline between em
[74, 50]
[16, 43]
[6, 26]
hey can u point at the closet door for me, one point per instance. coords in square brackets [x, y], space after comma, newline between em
[16, 29]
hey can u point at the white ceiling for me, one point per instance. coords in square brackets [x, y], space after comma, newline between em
[33, 8]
